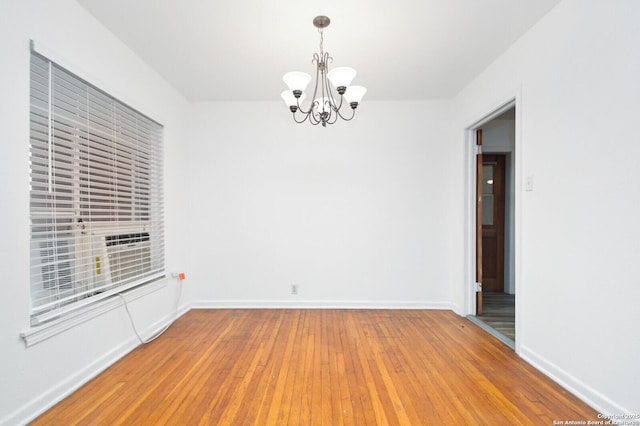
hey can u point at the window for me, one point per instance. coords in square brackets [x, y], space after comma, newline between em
[96, 194]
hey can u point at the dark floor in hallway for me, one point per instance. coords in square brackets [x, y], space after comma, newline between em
[499, 313]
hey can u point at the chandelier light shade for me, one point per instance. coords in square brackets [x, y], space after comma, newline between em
[332, 88]
[354, 95]
[297, 80]
[341, 76]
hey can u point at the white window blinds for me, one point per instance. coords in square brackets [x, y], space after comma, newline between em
[96, 194]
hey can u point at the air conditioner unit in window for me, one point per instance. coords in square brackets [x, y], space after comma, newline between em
[83, 263]
[120, 258]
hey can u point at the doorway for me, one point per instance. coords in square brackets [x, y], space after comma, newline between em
[493, 224]
[494, 168]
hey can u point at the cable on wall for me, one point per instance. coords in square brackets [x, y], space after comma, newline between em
[181, 276]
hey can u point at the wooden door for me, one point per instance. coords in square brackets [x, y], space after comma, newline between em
[479, 180]
[493, 195]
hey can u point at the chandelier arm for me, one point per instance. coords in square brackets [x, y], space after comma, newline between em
[314, 117]
[353, 114]
[301, 121]
[327, 59]
[332, 113]
[314, 120]
[315, 87]
[328, 115]
[334, 104]
[335, 118]
[323, 83]
[335, 113]
[327, 93]
[332, 99]
[302, 110]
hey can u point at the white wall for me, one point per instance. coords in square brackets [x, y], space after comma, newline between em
[32, 378]
[576, 73]
[355, 214]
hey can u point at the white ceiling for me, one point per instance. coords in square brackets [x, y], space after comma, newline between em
[239, 50]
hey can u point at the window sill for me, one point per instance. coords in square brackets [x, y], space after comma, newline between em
[53, 328]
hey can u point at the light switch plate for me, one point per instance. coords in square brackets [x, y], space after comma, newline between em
[528, 183]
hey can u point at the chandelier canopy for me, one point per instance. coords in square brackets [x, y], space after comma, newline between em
[325, 107]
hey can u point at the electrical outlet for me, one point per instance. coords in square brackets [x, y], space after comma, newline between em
[294, 288]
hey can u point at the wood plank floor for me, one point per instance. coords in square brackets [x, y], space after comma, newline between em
[329, 367]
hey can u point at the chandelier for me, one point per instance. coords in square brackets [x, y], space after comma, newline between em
[324, 109]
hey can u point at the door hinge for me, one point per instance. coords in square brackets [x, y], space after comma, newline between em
[478, 149]
[478, 287]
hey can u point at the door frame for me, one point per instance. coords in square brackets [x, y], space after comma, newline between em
[488, 114]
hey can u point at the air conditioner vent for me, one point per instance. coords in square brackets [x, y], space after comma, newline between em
[113, 240]
[129, 255]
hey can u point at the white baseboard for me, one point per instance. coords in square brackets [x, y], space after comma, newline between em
[316, 304]
[457, 309]
[590, 396]
[51, 397]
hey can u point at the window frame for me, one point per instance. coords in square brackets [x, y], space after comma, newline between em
[142, 229]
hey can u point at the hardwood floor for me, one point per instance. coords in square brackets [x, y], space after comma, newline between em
[330, 367]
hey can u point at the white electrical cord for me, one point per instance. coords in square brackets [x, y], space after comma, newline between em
[159, 333]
